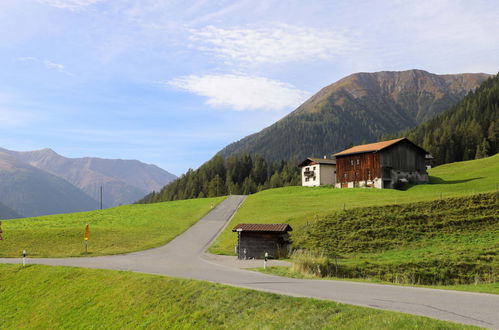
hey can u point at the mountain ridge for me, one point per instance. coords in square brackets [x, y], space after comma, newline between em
[123, 181]
[371, 105]
[30, 191]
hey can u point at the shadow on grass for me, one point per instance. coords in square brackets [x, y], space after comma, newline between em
[437, 180]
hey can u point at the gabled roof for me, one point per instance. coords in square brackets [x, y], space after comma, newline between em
[278, 227]
[373, 147]
[318, 161]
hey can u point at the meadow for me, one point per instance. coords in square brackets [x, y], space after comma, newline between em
[48, 297]
[116, 230]
[452, 241]
[301, 205]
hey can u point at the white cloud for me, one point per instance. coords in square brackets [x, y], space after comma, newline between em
[48, 64]
[276, 44]
[69, 4]
[241, 92]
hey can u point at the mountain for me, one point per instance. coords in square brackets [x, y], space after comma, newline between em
[468, 130]
[122, 181]
[359, 108]
[8, 213]
[32, 192]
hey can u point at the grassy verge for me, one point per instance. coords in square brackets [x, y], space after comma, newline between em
[285, 271]
[64, 297]
[301, 205]
[117, 230]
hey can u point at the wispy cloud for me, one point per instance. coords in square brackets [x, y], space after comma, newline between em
[15, 118]
[275, 44]
[69, 4]
[48, 64]
[241, 92]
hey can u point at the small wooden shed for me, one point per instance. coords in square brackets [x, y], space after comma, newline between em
[253, 240]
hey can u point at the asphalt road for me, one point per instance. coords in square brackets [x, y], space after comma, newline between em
[185, 257]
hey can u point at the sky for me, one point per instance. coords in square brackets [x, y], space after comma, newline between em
[172, 82]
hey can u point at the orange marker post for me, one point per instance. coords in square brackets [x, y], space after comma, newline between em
[86, 237]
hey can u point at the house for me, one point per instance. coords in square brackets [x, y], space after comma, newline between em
[318, 172]
[254, 240]
[382, 165]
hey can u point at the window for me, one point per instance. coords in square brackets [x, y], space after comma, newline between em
[351, 162]
[314, 178]
[306, 179]
[314, 168]
[307, 169]
[358, 161]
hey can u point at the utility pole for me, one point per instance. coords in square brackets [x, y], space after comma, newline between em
[101, 197]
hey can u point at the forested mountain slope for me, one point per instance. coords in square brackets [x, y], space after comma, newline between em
[359, 108]
[468, 130]
[242, 174]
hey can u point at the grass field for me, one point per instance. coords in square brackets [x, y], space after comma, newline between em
[299, 205]
[286, 271]
[64, 297]
[452, 241]
[117, 230]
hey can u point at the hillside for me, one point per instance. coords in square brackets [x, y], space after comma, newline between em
[468, 130]
[299, 205]
[120, 229]
[409, 243]
[359, 108]
[123, 181]
[67, 297]
[241, 174]
[30, 191]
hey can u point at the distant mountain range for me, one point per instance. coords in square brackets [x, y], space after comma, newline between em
[359, 108]
[8, 213]
[43, 182]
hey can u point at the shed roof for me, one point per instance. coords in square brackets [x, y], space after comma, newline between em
[278, 227]
[318, 161]
[373, 147]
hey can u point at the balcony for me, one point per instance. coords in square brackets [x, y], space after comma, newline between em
[309, 173]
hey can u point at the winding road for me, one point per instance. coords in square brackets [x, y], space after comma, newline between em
[185, 257]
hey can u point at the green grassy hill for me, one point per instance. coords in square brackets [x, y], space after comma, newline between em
[443, 242]
[117, 230]
[63, 297]
[299, 205]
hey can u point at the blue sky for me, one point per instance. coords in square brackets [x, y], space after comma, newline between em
[172, 82]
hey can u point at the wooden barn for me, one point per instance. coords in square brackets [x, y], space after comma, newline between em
[253, 240]
[318, 172]
[382, 165]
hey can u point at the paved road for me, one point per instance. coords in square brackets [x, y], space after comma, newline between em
[185, 257]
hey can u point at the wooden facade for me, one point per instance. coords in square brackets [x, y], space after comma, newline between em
[254, 240]
[381, 164]
[358, 167]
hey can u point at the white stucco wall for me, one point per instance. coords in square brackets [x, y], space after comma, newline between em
[312, 180]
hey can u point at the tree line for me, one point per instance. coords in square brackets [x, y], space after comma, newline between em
[468, 130]
[240, 174]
